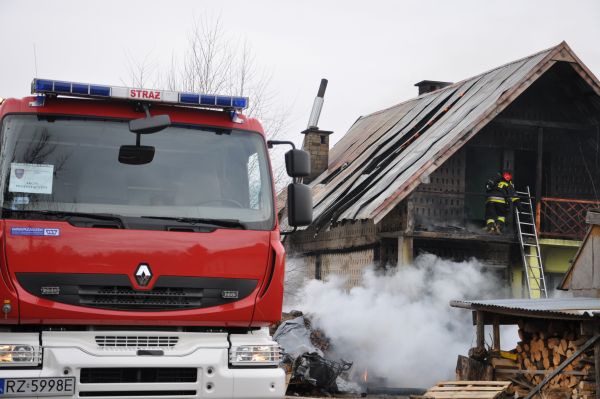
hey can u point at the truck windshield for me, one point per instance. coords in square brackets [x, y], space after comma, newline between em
[198, 173]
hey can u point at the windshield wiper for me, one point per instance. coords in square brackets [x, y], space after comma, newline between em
[66, 215]
[230, 223]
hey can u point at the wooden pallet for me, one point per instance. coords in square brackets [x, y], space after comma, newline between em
[465, 390]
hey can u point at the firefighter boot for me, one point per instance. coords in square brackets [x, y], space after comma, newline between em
[500, 221]
[490, 227]
[499, 227]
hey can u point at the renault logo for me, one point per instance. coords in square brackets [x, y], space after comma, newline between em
[143, 275]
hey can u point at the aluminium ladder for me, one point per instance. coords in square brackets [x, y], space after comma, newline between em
[530, 246]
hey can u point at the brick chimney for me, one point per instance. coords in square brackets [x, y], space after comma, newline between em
[427, 86]
[316, 142]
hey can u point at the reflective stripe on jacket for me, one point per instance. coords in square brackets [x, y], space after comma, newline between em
[502, 191]
[500, 200]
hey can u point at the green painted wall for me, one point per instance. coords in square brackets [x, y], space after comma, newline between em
[556, 258]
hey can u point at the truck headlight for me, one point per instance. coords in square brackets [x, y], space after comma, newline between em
[255, 355]
[20, 355]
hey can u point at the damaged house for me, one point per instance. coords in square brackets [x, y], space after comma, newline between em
[411, 178]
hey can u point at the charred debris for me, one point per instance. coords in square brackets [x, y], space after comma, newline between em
[308, 361]
[313, 369]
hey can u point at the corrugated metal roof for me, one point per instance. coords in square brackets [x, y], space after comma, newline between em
[381, 158]
[588, 307]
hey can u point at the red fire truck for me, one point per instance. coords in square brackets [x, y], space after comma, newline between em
[140, 250]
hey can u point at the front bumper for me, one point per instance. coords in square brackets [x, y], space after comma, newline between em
[67, 353]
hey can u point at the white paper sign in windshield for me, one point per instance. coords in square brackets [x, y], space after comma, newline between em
[30, 178]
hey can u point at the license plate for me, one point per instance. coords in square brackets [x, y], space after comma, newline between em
[50, 386]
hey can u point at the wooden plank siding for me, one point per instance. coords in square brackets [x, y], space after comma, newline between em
[583, 278]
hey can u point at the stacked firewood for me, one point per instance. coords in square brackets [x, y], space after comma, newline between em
[538, 354]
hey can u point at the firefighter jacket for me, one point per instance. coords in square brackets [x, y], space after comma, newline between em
[501, 191]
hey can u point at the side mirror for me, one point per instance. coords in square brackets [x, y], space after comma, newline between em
[297, 163]
[150, 124]
[299, 205]
[136, 154]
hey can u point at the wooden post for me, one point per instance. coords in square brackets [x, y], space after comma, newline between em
[538, 177]
[410, 216]
[318, 271]
[400, 260]
[405, 251]
[496, 335]
[405, 240]
[597, 367]
[480, 329]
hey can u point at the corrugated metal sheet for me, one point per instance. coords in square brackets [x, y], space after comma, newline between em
[589, 307]
[382, 157]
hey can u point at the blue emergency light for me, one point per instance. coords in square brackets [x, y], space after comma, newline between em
[56, 87]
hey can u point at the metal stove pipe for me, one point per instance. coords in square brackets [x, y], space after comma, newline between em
[317, 106]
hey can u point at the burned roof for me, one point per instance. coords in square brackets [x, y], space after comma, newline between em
[384, 155]
[549, 308]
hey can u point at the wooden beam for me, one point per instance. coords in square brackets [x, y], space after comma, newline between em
[410, 216]
[561, 367]
[496, 335]
[522, 383]
[538, 177]
[597, 367]
[405, 251]
[464, 235]
[544, 124]
[480, 329]
[318, 265]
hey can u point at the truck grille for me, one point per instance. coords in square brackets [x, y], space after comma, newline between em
[137, 375]
[126, 341]
[116, 297]
[114, 291]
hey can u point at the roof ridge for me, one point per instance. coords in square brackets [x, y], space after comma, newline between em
[460, 82]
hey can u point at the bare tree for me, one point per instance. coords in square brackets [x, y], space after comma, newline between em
[141, 72]
[214, 63]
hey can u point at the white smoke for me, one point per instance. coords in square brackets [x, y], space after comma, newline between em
[399, 325]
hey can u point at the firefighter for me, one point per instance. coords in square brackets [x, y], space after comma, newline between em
[500, 193]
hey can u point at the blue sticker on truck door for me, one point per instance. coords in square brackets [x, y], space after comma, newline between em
[34, 231]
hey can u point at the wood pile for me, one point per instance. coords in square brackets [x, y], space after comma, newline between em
[538, 354]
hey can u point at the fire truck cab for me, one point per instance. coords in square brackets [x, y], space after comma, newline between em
[140, 251]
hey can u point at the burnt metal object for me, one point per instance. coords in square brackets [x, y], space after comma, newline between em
[314, 370]
[304, 357]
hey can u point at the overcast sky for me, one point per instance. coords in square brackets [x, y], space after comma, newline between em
[371, 51]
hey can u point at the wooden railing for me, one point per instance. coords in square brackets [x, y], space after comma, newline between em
[563, 217]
